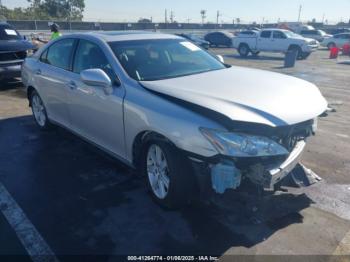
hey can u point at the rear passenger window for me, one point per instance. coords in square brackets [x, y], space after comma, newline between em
[59, 54]
[265, 34]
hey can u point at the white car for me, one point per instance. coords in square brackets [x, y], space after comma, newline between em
[274, 40]
[336, 41]
[318, 35]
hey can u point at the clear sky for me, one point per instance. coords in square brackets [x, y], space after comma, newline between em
[247, 11]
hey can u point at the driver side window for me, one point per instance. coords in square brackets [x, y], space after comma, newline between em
[279, 35]
[90, 56]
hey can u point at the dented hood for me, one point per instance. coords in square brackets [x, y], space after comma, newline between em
[247, 95]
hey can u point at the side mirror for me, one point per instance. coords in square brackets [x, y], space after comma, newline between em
[97, 77]
[221, 58]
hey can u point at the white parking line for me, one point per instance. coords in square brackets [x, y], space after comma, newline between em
[30, 238]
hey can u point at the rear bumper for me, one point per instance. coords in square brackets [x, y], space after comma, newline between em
[10, 70]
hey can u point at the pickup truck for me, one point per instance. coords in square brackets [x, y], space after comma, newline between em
[274, 40]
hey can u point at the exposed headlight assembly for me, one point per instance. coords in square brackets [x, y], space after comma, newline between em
[242, 145]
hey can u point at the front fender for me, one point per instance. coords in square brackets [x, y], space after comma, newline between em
[146, 111]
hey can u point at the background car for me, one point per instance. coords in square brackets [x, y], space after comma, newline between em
[337, 31]
[318, 35]
[219, 39]
[336, 41]
[196, 40]
[13, 50]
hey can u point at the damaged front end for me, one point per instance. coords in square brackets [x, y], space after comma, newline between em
[262, 155]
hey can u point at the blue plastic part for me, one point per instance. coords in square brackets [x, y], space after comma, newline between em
[225, 176]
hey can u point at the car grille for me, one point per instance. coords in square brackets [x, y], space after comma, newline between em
[289, 136]
[10, 56]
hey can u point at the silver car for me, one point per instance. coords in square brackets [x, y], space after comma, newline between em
[190, 123]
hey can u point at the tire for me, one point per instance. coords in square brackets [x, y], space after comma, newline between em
[331, 45]
[304, 55]
[169, 180]
[39, 111]
[298, 50]
[243, 50]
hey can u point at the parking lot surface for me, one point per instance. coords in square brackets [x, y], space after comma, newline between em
[85, 203]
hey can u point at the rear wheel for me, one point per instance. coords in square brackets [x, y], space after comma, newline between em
[167, 174]
[331, 45]
[39, 111]
[243, 50]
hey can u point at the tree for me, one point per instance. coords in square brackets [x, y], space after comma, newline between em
[144, 20]
[57, 9]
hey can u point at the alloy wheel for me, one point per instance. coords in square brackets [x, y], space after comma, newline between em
[158, 170]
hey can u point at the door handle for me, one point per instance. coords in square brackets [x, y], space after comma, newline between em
[38, 72]
[72, 85]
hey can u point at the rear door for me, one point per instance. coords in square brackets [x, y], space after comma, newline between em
[96, 115]
[51, 79]
[265, 40]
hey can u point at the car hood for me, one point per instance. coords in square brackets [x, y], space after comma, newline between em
[15, 45]
[247, 95]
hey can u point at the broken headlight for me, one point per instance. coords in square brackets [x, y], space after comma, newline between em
[242, 145]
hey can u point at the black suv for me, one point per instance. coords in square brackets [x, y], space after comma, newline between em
[13, 51]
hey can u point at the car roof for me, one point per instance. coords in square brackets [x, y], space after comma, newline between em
[275, 29]
[114, 36]
[343, 34]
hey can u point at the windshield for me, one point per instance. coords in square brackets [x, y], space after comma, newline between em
[8, 33]
[149, 60]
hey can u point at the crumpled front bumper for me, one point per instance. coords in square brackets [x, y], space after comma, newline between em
[276, 174]
[259, 174]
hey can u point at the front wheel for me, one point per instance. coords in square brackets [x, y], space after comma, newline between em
[167, 174]
[304, 55]
[39, 111]
[243, 50]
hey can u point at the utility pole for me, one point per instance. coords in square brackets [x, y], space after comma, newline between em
[172, 16]
[299, 16]
[166, 16]
[217, 17]
[203, 15]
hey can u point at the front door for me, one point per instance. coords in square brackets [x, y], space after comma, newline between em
[264, 41]
[279, 41]
[96, 115]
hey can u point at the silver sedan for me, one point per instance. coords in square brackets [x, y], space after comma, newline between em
[190, 123]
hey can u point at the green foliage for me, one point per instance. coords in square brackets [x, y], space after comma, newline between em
[47, 10]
